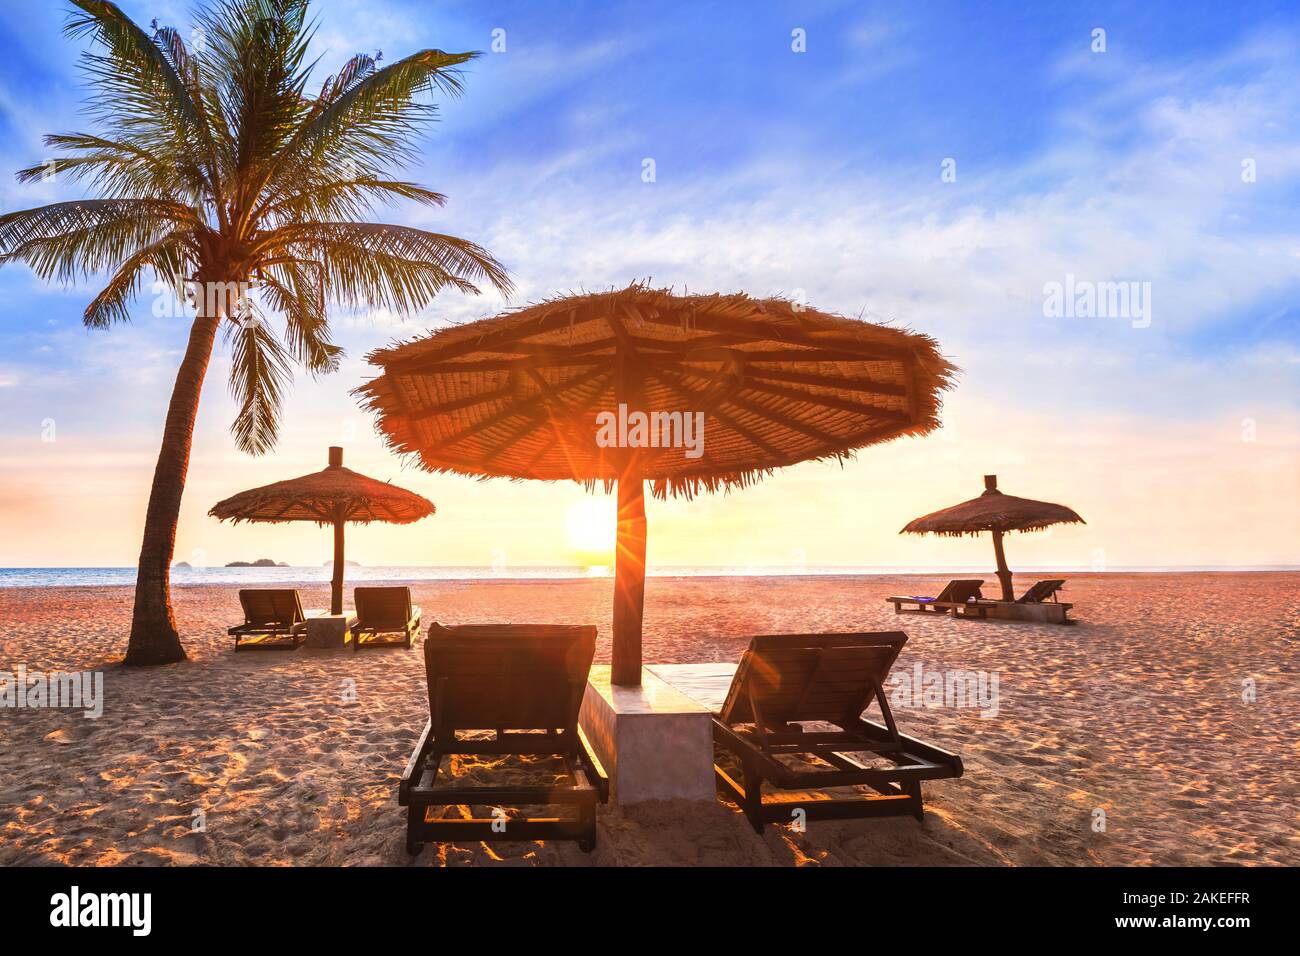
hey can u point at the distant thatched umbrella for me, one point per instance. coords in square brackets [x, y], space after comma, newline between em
[996, 513]
[531, 393]
[334, 496]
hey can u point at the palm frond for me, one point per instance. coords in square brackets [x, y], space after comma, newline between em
[254, 63]
[295, 288]
[169, 41]
[383, 105]
[168, 259]
[71, 240]
[370, 126]
[397, 267]
[259, 374]
[118, 169]
[348, 199]
[353, 72]
[140, 94]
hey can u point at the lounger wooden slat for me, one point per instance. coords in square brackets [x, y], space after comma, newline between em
[786, 680]
[504, 690]
[519, 796]
[533, 828]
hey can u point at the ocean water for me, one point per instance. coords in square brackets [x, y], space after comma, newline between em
[100, 577]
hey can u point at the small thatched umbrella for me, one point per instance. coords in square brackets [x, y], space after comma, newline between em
[334, 495]
[529, 393]
[996, 513]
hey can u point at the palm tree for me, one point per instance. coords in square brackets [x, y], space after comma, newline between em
[214, 169]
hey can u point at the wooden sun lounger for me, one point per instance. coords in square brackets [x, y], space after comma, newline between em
[384, 611]
[523, 684]
[962, 597]
[270, 616]
[786, 680]
[1042, 591]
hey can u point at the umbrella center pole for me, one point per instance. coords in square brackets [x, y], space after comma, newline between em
[1004, 573]
[336, 582]
[629, 581]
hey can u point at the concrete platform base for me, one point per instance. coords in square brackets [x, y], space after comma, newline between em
[1048, 612]
[655, 742]
[329, 630]
[706, 684]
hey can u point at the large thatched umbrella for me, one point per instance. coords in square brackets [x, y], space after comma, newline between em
[334, 495]
[996, 513]
[532, 393]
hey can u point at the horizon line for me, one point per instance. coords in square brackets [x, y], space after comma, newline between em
[757, 570]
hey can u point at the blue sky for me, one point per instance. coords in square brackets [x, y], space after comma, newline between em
[812, 173]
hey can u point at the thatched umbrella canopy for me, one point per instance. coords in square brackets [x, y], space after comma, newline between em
[996, 513]
[687, 392]
[334, 495]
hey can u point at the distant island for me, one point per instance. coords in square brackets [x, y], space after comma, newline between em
[259, 563]
[182, 566]
[346, 564]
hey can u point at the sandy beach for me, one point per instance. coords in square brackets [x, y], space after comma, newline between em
[1137, 711]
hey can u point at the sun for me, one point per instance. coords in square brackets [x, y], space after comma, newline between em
[590, 525]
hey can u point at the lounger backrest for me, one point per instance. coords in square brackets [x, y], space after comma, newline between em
[271, 606]
[960, 591]
[1041, 591]
[791, 677]
[507, 676]
[382, 607]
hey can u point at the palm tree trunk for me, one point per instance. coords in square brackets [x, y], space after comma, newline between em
[154, 639]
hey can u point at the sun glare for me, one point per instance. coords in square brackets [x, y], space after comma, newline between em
[590, 526]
